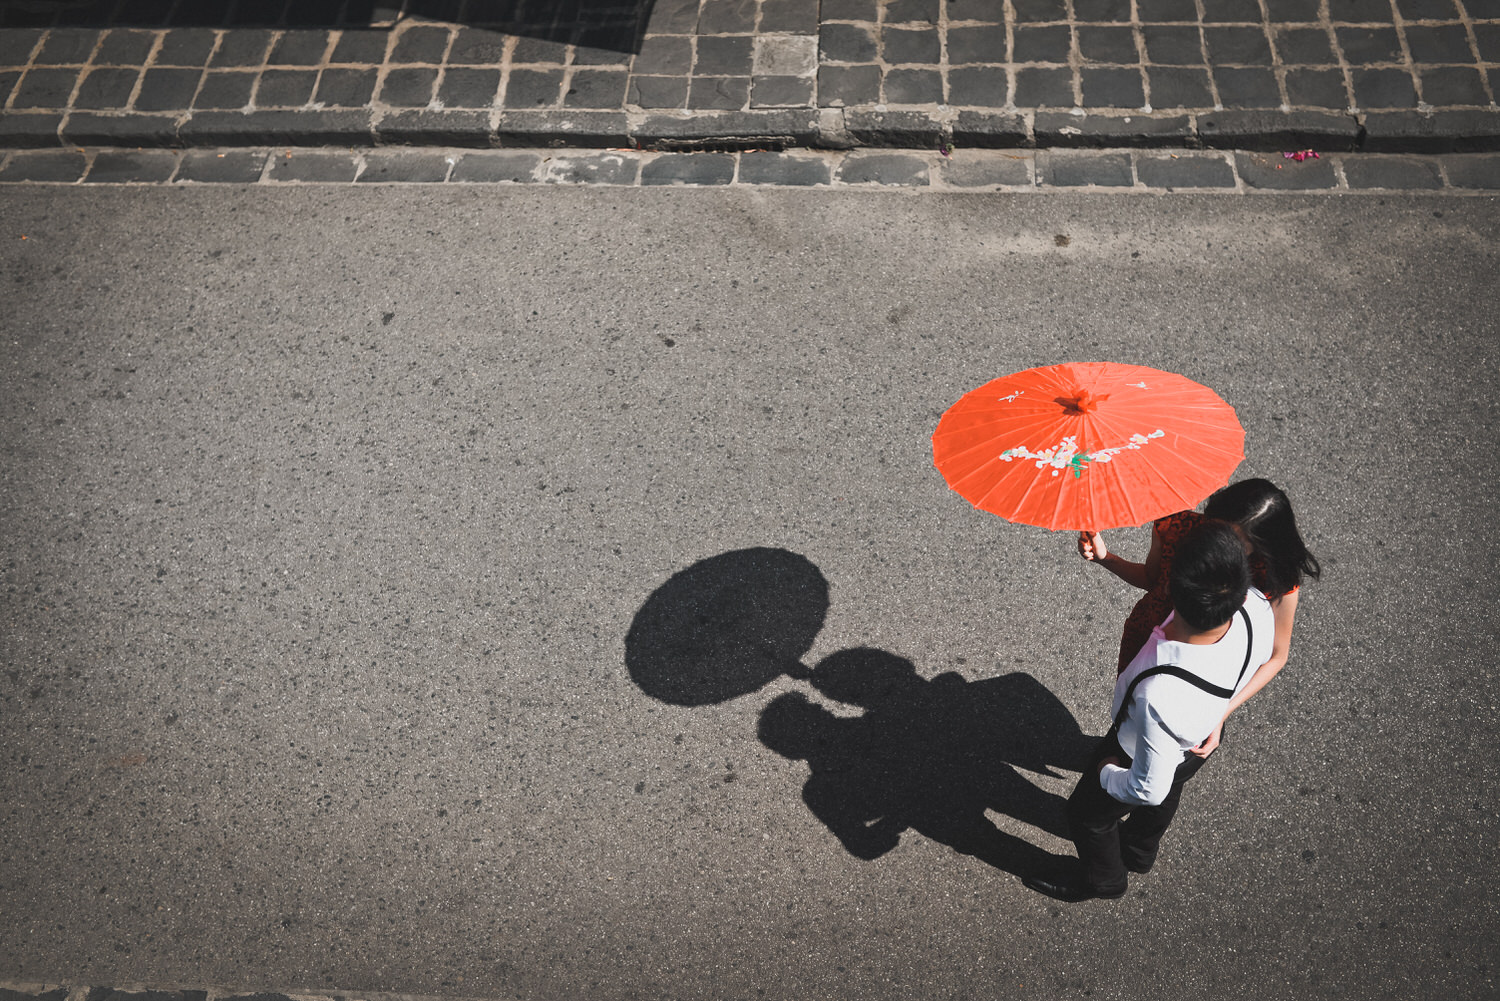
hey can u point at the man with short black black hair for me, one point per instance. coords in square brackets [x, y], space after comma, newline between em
[1168, 700]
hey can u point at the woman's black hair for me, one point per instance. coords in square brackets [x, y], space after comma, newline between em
[1265, 515]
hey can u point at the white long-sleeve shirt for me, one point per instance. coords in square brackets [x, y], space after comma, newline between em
[1168, 716]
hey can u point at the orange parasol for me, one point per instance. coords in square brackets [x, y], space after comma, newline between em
[1089, 445]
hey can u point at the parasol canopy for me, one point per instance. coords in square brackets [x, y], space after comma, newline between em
[1088, 445]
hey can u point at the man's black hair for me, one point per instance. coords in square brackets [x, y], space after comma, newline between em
[1210, 575]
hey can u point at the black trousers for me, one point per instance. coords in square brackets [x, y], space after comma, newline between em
[1106, 840]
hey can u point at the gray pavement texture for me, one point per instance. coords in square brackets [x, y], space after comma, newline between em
[404, 590]
[1383, 75]
[955, 170]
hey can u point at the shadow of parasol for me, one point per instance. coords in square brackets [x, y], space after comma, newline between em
[726, 626]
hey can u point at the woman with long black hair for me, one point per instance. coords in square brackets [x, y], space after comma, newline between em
[1279, 560]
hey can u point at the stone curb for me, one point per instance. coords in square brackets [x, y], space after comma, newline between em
[1108, 169]
[776, 129]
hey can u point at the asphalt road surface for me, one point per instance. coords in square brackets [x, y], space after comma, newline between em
[330, 516]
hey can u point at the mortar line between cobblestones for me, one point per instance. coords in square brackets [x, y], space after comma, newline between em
[329, 44]
[1213, 81]
[1399, 24]
[1138, 36]
[498, 104]
[1278, 68]
[36, 49]
[1012, 76]
[260, 69]
[436, 101]
[1326, 17]
[1075, 58]
[1467, 20]
[378, 111]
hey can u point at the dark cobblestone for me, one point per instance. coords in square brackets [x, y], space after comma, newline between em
[496, 167]
[985, 130]
[1044, 87]
[244, 47]
[1061, 168]
[167, 89]
[463, 87]
[1273, 130]
[1180, 87]
[906, 129]
[1112, 88]
[185, 47]
[1274, 171]
[885, 168]
[1184, 170]
[59, 994]
[780, 91]
[1475, 171]
[846, 86]
[106, 88]
[67, 46]
[227, 167]
[54, 166]
[343, 88]
[124, 48]
[747, 129]
[590, 168]
[409, 86]
[978, 87]
[17, 45]
[652, 92]
[1061, 129]
[965, 170]
[689, 168]
[323, 166]
[708, 93]
[1414, 132]
[574, 128]
[405, 167]
[111, 994]
[1403, 172]
[43, 89]
[435, 128]
[126, 166]
[600, 89]
[87, 129]
[285, 88]
[35, 130]
[785, 169]
[361, 47]
[420, 44]
[276, 128]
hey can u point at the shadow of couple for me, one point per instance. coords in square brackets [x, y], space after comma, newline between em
[927, 755]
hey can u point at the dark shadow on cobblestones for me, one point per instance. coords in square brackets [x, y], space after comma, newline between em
[612, 25]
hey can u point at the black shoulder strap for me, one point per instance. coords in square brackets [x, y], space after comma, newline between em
[1190, 677]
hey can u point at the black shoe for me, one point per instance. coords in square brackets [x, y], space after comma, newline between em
[1138, 868]
[1069, 893]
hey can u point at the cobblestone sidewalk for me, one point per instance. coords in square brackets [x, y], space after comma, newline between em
[1381, 75]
